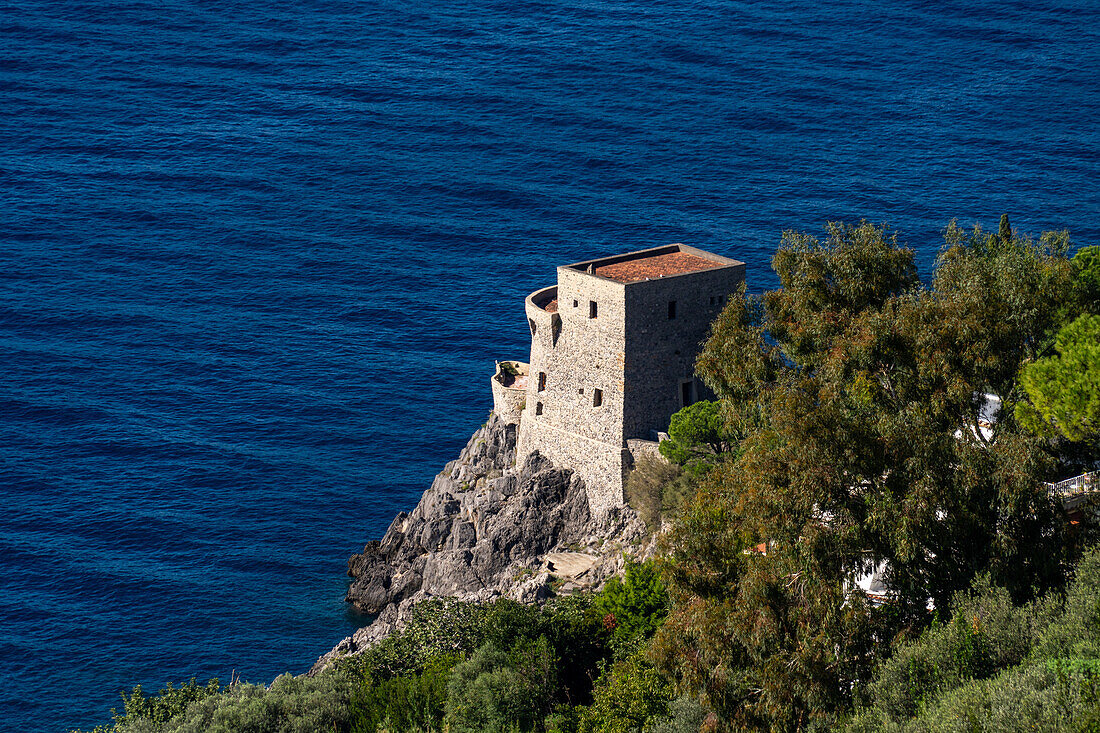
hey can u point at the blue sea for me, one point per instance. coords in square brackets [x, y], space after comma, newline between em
[256, 260]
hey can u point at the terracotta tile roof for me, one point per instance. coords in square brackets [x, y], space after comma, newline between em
[662, 265]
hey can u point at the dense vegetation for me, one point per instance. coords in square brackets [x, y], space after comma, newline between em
[573, 665]
[865, 421]
[996, 666]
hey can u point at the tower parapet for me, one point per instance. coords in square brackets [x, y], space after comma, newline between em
[510, 390]
[613, 348]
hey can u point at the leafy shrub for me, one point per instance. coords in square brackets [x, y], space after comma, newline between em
[634, 606]
[645, 485]
[657, 489]
[581, 642]
[154, 712]
[404, 703]
[986, 634]
[1026, 698]
[677, 492]
[498, 666]
[996, 667]
[486, 694]
[170, 702]
[628, 696]
[436, 628]
[289, 705]
[1076, 634]
[685, 715]
[564, 719]
[1086, 278]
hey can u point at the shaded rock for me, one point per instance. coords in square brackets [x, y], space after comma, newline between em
[482, 531]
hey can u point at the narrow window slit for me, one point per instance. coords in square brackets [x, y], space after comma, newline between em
[687, 393]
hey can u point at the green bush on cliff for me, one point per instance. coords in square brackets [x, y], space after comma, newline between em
[461, 666]
[657, 489]
[521, 662]
[407, 702]
[698, 439]
[1086, 279]
[153, 712]
[487, 694]
[633, 606]
[290, 705]
[629, 695]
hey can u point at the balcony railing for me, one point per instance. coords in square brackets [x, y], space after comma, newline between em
[1086, 483]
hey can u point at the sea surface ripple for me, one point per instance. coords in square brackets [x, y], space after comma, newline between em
[258, 259]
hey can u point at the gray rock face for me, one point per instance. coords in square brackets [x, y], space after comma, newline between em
[483, 531]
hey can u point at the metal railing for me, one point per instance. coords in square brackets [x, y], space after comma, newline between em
[1084, 484]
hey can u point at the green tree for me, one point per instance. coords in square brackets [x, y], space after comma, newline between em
[863, 399]
[628, 696]
[157, 710]
[635, 605]
[487, 695]
[696, 435]
[407, 702]
[1064, 390]
[1086, 279]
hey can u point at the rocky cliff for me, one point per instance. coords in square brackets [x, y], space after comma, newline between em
[488, 529]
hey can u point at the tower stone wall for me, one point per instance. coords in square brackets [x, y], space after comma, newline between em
[611, 352]
[661, 351]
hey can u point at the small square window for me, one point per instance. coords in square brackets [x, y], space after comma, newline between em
[671, 309]
[591, 309]
[575, 304]
[542, 381]
[538, 408]
[580, 391]
[597, 397]
[712, 300]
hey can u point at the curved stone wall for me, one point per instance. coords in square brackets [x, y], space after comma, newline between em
[508, 402]
[574, 405]
[542, 324]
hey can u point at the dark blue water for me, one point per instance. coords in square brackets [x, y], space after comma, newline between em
[257, 259]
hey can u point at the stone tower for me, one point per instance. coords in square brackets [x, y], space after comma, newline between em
[613, 348]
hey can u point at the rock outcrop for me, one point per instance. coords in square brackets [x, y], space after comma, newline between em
[488, 529]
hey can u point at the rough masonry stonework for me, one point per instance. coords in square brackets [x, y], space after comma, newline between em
[613, 349]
